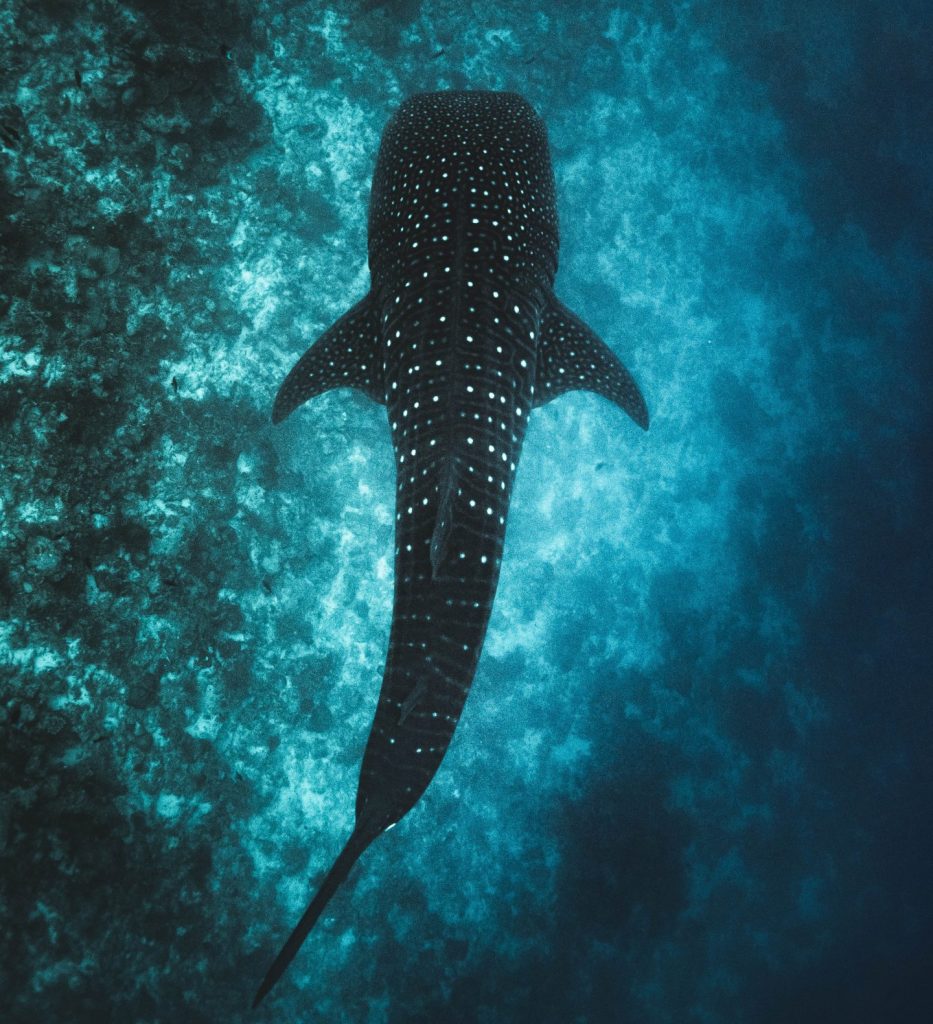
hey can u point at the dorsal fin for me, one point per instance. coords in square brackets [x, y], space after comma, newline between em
[417, 692]
[572, 358]
[446, 490]
[346, 355]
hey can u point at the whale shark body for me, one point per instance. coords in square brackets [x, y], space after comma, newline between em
[460, 337]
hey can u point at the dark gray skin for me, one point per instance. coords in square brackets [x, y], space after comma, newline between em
[460, 337]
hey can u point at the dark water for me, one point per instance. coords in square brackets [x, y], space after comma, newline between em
[693, 781]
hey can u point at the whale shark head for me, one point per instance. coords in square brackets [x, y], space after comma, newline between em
[463, 179]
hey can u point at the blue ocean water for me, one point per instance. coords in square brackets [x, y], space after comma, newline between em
[693, 779]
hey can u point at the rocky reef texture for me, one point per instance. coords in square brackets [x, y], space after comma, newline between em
[693, 780]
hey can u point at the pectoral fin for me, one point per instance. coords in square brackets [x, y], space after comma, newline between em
[572, 358]
[345, 356]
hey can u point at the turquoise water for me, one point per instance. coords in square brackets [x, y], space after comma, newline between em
[692, 781]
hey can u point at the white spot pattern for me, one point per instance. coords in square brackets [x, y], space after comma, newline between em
[459, 337]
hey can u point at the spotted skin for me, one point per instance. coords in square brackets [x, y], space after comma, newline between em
[460, 337]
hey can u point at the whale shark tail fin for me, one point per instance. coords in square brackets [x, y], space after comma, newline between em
[359, 840]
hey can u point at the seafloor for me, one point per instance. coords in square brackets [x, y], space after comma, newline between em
[693, 781]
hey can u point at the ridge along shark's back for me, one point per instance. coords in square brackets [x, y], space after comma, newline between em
[459, 337]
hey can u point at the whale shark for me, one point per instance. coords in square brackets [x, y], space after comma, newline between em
[460, 337]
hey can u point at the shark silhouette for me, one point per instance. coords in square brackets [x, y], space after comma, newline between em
[460, 337]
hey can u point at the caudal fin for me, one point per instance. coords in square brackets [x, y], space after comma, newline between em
[349, 855]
